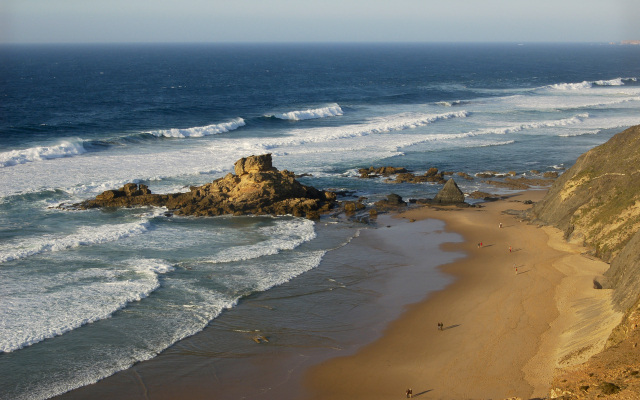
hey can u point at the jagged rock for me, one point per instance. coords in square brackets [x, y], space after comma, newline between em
[393, 201]
[449, 194]
[535, 172]
[483, 195]
[257, 188]
[431, 171]
[550, 174]
[251, 164]
[465, 176]
[372, 172]
[485, 175]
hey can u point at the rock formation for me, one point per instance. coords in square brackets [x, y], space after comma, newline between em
[256, 188]
[449, 194]
[392, 202]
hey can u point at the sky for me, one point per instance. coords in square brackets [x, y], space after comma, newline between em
[140, 21]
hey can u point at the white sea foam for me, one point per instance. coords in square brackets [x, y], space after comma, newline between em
[332, 111]
[84, 236]
[36, 309]
[391, 123]
[580, 133]
[200, 131]
[41, 153]
[589, 84]
[284, 235]
[507, 142]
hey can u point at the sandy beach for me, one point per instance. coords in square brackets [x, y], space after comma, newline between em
[504, 332]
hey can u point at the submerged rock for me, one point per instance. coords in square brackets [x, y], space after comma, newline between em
[257, 188]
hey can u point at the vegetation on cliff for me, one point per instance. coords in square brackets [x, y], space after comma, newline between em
[597, 201]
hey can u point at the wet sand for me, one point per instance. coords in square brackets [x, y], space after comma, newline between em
[504, 332]
[330, 311]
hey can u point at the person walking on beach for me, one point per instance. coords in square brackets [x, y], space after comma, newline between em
[516, 270]
[409, 393]
[509, 249]
[500, 224]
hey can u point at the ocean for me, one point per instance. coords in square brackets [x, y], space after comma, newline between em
[85, 294]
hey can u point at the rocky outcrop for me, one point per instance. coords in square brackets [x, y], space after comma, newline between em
[392, 202]
[403, 175]
[449, 194]
[372, 172]
[465, 176]
[257, 188]
[521, 183]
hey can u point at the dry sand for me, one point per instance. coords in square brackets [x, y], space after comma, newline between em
[505, 333]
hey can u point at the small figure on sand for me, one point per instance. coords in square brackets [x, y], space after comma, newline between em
[500, 224]
[439, 326]
[516, 270]
[409, 393]
[509, 249]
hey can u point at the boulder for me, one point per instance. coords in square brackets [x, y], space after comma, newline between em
[431, 171]
[394, 199]
[251, 164]
[465, 176]
[449, 194]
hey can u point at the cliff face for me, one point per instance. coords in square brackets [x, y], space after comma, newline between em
[597, 201]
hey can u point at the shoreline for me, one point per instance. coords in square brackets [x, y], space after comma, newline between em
[505, 334]
[358, 289]
[516, 329]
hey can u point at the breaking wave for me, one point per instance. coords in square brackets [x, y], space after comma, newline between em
[200, 131]
[590, 84]
[91, 295]
[311, 114]
[85, 236]
[41, 153]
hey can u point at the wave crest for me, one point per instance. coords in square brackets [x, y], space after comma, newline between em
[333, 111]
[589, 84]
[85, 236]
[200, 131]
[285, 235]
[41, 153]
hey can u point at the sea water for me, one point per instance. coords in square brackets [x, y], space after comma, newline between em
[84, 294]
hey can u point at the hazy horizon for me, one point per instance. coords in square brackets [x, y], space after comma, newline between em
[330, 21]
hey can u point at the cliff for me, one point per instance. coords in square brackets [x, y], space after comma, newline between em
[597, 203]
